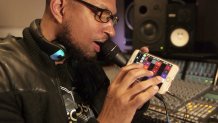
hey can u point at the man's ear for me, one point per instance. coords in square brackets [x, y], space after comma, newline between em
[56, 7]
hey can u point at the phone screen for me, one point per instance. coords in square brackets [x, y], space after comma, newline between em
[158, 66]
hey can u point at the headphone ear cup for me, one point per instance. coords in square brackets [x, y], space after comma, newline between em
[55, 50]
[59, 54]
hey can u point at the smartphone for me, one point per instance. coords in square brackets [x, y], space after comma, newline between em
[159, 66]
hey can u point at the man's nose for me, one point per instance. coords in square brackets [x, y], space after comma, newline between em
[109, 29]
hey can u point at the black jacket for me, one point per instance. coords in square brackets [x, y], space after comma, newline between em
[30, 84]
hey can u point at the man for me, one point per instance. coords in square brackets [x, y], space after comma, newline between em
[49, 75]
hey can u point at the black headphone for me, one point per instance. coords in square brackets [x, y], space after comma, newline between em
[55, 50]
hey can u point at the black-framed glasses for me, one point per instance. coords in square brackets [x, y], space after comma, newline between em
[101, 15]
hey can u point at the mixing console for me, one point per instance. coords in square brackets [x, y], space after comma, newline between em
[196, 94]
[197, 97]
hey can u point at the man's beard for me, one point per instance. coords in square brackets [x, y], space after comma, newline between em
[73, 51]
[82, 68]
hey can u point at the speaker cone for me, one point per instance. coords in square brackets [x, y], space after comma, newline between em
[179, 37]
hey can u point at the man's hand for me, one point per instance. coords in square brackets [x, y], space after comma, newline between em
[126, 94]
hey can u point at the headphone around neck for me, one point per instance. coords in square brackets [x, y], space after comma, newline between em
[55, 50]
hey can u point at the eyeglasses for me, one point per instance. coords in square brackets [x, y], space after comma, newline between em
[101, 15]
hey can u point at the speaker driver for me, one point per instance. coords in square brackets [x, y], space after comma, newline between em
[179, 37]
[149, 31]
[129, 16]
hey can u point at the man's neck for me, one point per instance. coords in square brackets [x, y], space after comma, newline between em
[48, 28]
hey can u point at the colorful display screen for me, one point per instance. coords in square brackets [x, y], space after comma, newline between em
[158, 66]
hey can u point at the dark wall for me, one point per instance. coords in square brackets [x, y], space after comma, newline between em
[207, 25]
[208, 20]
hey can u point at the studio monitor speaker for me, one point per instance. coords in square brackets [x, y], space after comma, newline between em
[150, 24]
[181, 20]
[128, 18]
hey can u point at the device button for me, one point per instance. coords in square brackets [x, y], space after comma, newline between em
[168, 79]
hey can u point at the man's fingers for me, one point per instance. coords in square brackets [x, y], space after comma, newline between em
[144, 49]
[133, 76]
[125, 70]
[143, 97]
[144, 85]
[116, 86]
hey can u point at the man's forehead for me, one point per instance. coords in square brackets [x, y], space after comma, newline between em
[106, 4]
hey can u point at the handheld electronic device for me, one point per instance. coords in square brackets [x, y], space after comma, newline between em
[159, 66]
